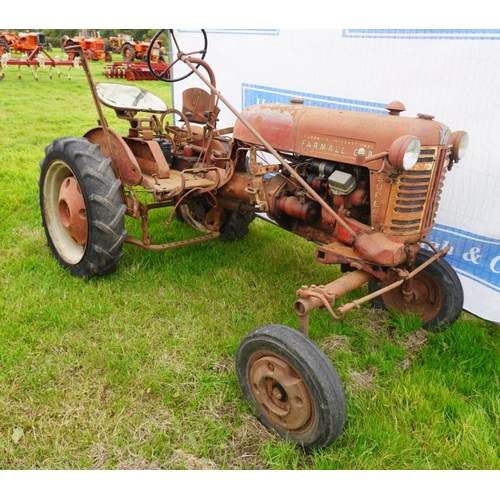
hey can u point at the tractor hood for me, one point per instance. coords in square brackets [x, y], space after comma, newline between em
[333, 134]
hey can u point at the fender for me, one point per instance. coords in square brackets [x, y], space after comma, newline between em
[123, 161]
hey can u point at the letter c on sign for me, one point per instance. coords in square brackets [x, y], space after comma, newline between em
[494, 262]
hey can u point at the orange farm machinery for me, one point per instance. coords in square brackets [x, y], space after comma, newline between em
[22, 43]
[137, 51]
[94, 47]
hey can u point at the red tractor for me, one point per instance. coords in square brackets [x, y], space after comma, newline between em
[92, 46]
[22, 43]
[365, 187]
[137, 51]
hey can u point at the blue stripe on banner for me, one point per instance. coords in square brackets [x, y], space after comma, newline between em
[444, 34]
[476, 257]
[258, 94]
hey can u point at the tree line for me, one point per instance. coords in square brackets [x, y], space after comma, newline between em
[137, 34]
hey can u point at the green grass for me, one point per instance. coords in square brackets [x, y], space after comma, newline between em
[136, 370]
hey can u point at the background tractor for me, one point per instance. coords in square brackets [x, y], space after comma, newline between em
[95, 48]
[364, 187]
[115, 43]
[22, 43]
[137, 51]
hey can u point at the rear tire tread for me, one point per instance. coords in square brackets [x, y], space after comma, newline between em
[106, 210]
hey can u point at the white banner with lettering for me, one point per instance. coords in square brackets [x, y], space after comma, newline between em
[451, 74]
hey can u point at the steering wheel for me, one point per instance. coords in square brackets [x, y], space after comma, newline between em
[164, 75]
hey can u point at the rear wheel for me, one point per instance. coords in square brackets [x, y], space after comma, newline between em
[437, 293]
[72, 52]
[291, 385]
[128, 52]
[5, 46]
[81, 206]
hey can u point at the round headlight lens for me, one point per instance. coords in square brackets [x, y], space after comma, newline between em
[460, 143]
[404, 152]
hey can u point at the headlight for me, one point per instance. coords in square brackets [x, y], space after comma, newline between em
[404, 152]
[460, 143]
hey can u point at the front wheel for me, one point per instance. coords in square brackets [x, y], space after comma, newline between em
[436, 296]
[291, 385]
[81, 206]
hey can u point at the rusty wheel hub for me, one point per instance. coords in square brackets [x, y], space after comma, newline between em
[425, 297]
[281, 393]
[72, 211]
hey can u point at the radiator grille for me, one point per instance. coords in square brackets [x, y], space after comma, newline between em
[416, 194]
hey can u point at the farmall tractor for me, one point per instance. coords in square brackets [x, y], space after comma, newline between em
[365, 187]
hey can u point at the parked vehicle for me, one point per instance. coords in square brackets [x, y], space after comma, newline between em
[115, 43]
[137, 51]
[22, 43]
[94, 47]
[365, 187]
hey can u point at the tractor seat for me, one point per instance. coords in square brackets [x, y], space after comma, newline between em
[195, 105]
[125, 97]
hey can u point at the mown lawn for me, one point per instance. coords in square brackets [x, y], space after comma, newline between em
[136, 370]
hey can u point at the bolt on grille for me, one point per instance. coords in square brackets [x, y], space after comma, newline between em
[416, 194]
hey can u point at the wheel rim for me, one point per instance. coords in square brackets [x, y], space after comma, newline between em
[65, 212]
[280, 393]
[72, 210]
[426, 300]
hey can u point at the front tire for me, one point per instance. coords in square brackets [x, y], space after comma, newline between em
[81, 207]
[291, 385]
[438, 296]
